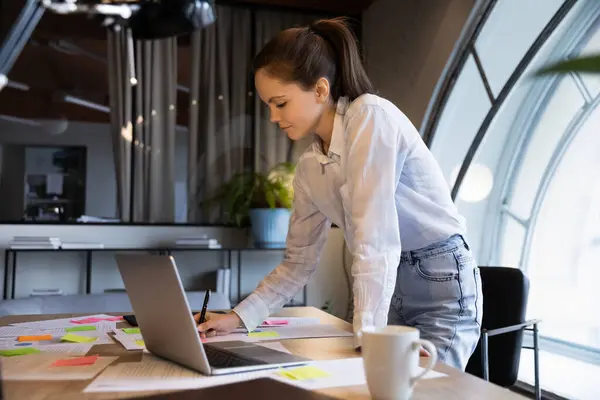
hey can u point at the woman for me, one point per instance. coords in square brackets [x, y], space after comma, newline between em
[369, 172]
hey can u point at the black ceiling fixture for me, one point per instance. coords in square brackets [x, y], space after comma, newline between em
[147, 19]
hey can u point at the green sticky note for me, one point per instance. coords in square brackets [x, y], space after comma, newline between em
[69, 337]
[131, 331]
[140, 343]
[81, 328]
[303, 373]
[263, 334]
[19, 352]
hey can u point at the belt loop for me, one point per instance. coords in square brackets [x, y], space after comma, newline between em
[465, 242]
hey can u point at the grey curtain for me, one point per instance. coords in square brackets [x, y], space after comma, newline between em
[142, 90]
[229, 125]
[154, 139]
[219, 140]
[121, 128]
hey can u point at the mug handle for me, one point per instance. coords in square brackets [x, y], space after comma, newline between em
[432, 358]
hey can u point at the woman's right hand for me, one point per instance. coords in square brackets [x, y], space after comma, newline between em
[218, 324]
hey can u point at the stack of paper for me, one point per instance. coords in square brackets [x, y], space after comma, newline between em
[66, 335]
[278, 332]
[130, 338]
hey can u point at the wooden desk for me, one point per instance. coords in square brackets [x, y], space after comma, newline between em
[457, 385]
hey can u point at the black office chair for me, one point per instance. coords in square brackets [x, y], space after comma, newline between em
[498, 353]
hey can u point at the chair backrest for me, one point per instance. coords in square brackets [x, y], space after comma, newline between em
[505, 291]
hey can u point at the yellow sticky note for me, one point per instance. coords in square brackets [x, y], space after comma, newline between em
[140, 343]
[69, 337]
[131, 331]
[263, 334]
[19, 352]
[303, 373]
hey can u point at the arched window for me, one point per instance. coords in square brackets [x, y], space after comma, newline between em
[522, 155]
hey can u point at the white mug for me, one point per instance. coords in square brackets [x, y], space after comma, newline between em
[391, 360]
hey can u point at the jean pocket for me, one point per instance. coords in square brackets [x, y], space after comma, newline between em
[441, 267]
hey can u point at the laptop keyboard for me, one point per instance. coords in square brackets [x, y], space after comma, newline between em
[223, 359]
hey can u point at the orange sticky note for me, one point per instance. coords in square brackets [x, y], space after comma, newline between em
[34, 338]
[75, 362]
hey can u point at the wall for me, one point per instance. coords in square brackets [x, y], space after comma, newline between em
[407, 44]
[66, 271]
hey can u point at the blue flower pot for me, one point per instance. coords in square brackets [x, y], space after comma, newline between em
[269, 226]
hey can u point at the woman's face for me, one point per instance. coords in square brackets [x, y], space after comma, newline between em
[295, 110]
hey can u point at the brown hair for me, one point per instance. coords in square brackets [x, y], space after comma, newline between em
[327, 48]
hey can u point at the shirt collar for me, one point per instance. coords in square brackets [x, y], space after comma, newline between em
[337, 137]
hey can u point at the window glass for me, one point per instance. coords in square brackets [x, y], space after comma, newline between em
[461, 118]
[564, 104]
[564, 258]
[512, 243]
[510, 30]
[592, 81]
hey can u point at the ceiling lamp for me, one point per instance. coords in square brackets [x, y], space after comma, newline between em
[148, 19]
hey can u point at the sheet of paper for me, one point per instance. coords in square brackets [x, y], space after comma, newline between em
[39, 367]
[288, 321]
[287, 332]
[99, 328]
[336, 373]
[73, 349]
[158, 374]
[132, 341]
[13, 331]
[64, 322]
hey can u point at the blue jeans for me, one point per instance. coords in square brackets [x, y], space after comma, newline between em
[438, 291]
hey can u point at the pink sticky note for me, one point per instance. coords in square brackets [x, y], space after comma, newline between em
[75, 362]
[92, 320]
[276, 322]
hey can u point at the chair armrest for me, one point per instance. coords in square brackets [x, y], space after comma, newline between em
[510, 328]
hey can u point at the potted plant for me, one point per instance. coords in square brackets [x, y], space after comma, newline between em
[583, 64]
[262, 200]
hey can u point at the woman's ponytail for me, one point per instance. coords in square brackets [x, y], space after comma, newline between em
[351, 78]
[327, 48]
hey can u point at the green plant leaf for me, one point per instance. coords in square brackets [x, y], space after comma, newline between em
[585, 64]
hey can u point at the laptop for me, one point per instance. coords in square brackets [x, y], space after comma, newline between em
[169, 329]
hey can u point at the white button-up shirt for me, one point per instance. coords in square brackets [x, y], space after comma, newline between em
[382, 186]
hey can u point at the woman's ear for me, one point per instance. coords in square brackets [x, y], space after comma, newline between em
[322, 90]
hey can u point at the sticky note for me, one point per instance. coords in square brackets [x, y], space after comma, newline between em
[140, 343]
[276, 322]
[263, 334]
[81, 328]
[303, 373]
[19, 352]
[75, 362]
[131, 331]
[69, 337]
[34, 338]
[92, 320]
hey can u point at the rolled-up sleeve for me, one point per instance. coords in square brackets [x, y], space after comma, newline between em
[305, 239]
[373, 158]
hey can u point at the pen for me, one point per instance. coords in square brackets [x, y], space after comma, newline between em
[203, 313]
